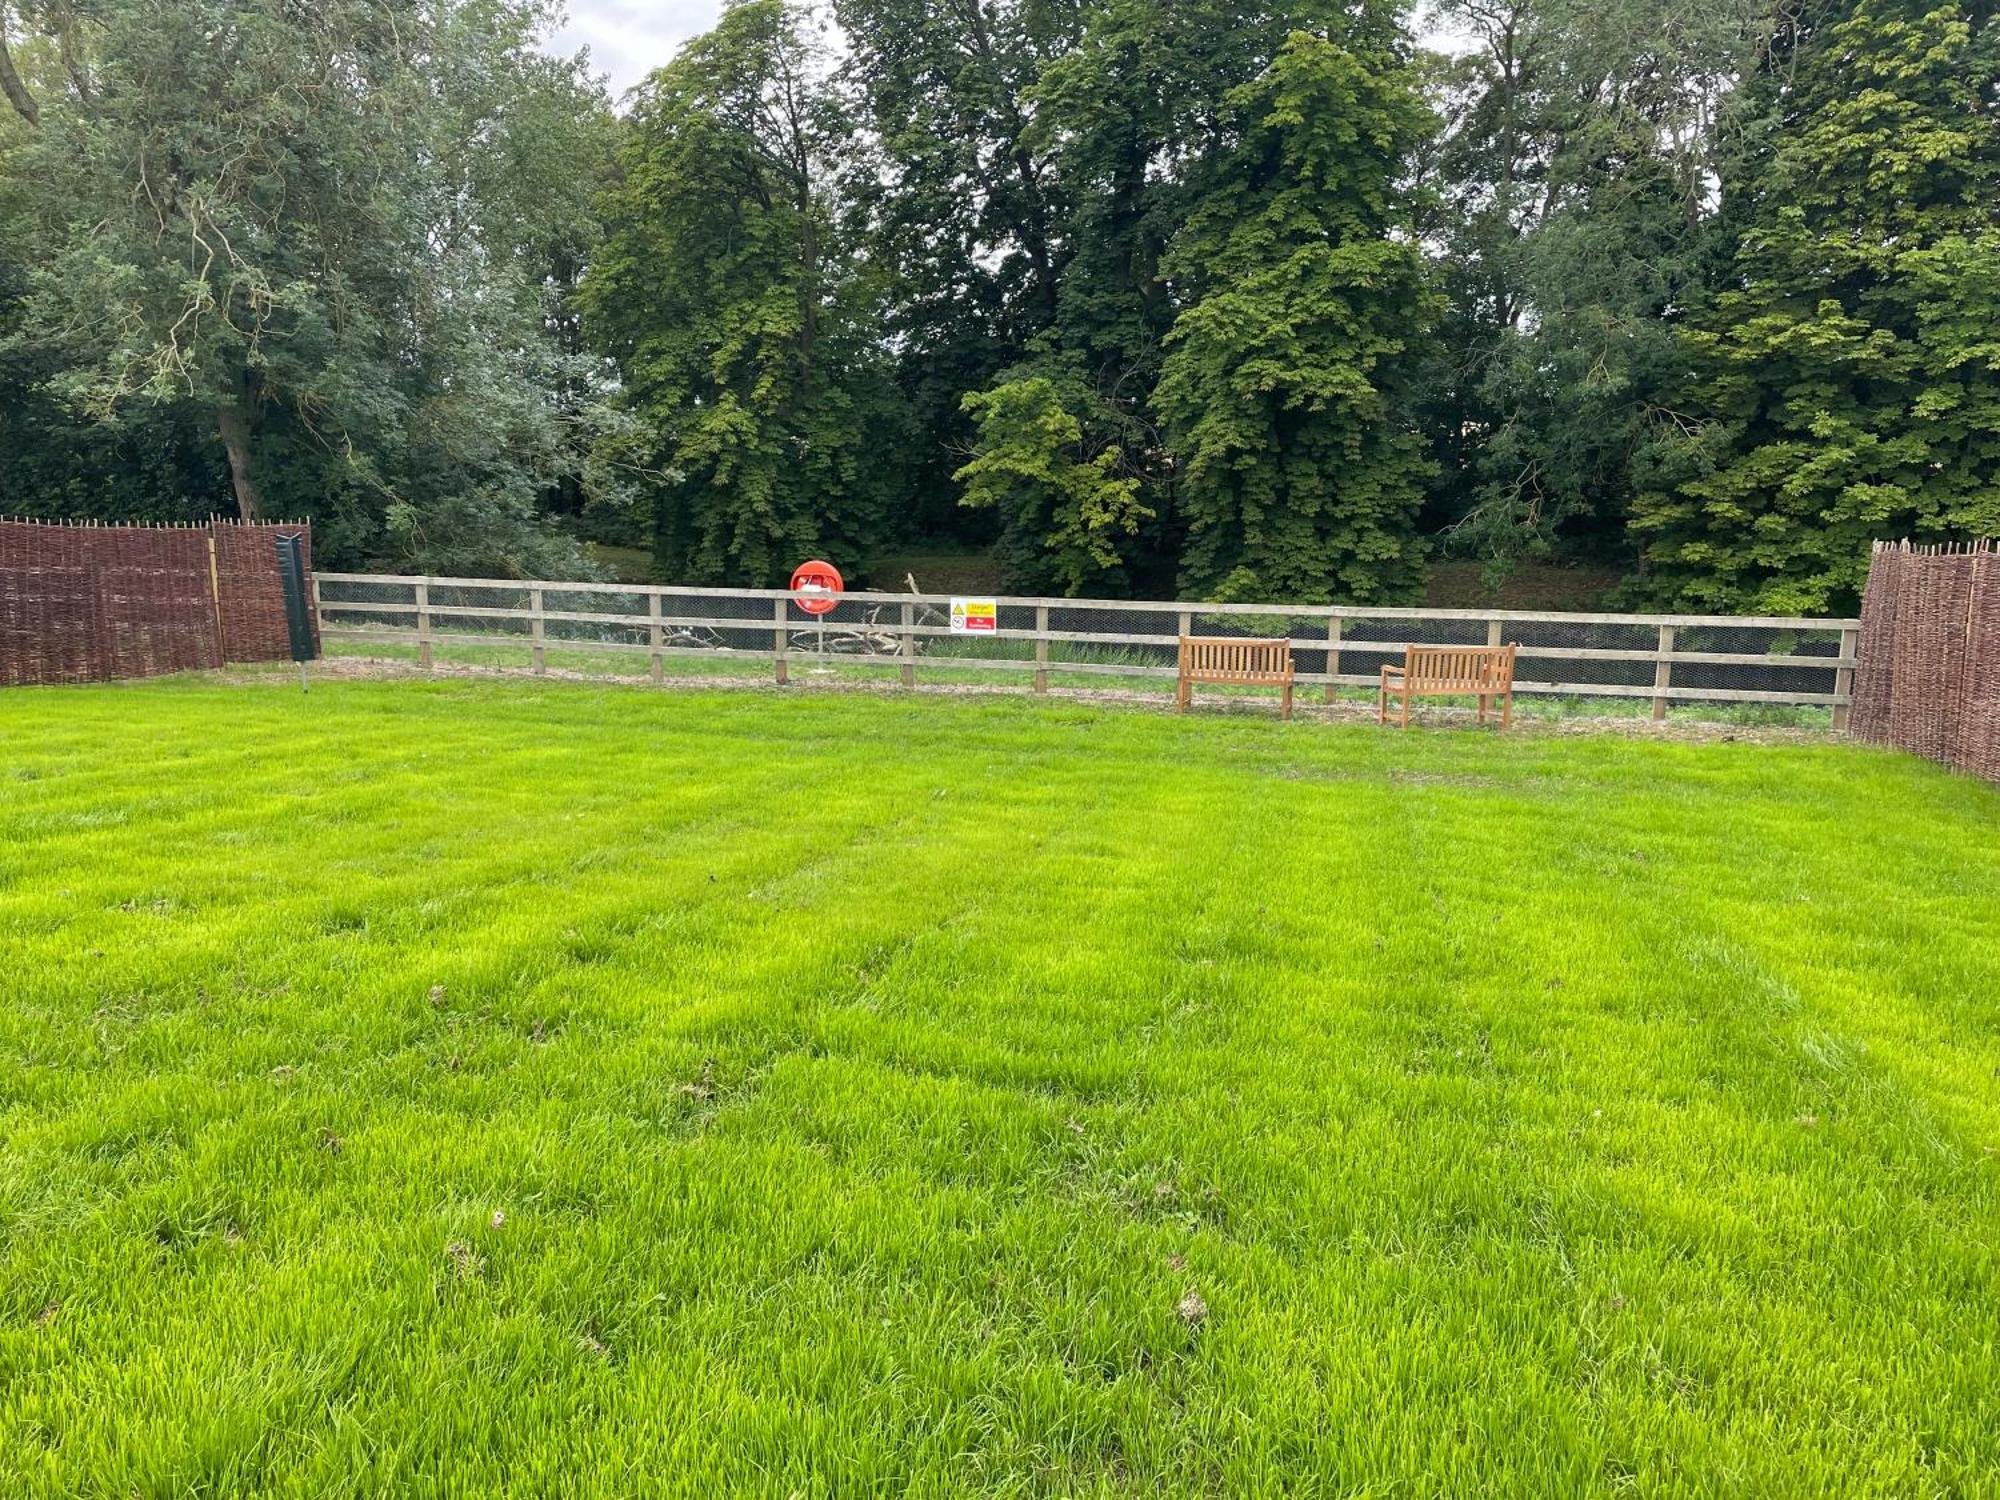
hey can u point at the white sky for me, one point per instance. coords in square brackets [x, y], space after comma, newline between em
[629, 38]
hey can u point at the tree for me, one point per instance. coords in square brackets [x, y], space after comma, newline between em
[1572, 215]
[1843, 377]
[1302, 300]
[1068, 507]
[1087, 500]
[155, 463]
[742, 318]
[329, 232]
[1132, 117]
[959, 199]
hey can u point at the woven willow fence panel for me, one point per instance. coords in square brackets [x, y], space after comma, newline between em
[1929, 673]
[85, 603]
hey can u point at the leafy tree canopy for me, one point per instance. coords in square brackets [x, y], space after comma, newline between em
[744, 321]
[332, 241]
[1280, 390]
[1843, 375]
[1145, 296]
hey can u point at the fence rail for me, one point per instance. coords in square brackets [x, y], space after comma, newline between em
[1661, 658]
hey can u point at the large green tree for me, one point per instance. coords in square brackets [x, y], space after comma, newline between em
[956, 174]
[1281, 392]
[1087, 502]
[157, 462]
[745, 322]
[1571, 210]
[1069, 503]
[1147, 295]
[331, 236]
[1065, 449]
[1843, 377]
[1137, 118]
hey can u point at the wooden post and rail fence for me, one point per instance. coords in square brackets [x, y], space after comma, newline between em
[1663, 659]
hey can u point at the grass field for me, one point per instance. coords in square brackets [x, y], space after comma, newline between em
[463, 1089]
[945, 668]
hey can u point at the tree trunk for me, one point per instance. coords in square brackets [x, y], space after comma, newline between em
[10, 81]
[233, 422]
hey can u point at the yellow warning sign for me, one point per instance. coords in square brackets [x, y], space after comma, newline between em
[975, 616]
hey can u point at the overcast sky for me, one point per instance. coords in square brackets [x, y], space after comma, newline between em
[629, 38]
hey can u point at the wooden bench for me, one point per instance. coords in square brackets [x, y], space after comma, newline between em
[1482, 672]
[1234, 661]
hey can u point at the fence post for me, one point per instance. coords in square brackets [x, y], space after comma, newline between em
[424, 624]
[1494, 630]
[1041, 648]
[656, 637]
[1332, 653]
[215, 593]
[540, 629]
[1843, 680]
[909, 646]
[1663, 673]
[781, 642]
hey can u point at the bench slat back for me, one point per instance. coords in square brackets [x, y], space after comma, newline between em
[1235, 659]
[1460, 669]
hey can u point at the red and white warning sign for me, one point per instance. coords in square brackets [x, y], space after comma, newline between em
[816, 587]
[975, 616]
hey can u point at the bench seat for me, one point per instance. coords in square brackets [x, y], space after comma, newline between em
[1234, 661]
[1482, 672]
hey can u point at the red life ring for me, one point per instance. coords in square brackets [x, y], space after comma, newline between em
[816, 587]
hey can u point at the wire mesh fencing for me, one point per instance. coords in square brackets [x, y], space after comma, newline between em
[1631, 663]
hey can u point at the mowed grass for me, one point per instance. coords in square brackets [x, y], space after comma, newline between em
[463, 1089]
[939, 670]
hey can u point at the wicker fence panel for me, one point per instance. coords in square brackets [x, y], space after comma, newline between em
[85, 603]
[1875, 674]
[253, 591]
[49, 626]
[159, 613]
[1977, 746]
[1929, 674]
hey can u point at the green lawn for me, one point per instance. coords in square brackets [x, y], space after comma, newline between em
[947, 668]
[463, 1089]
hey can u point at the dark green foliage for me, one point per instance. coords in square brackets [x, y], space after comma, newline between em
[1137, 296]
[1568, 203]
[1140, 122]
[1844, 377]
[1279, 393]
[954, 186]
[1069, 510]
[742, 319]
[156, 462]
